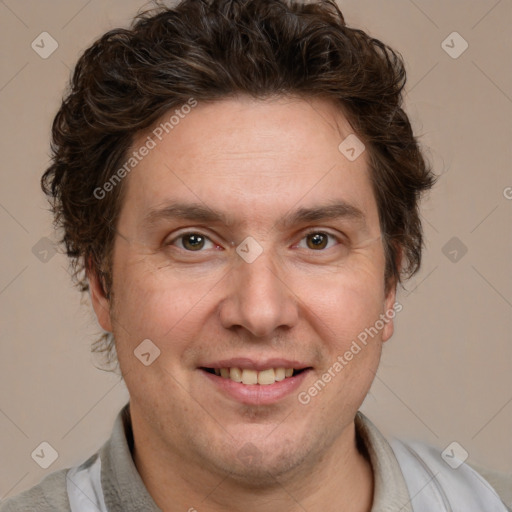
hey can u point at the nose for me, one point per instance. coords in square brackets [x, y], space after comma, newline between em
[260, 298]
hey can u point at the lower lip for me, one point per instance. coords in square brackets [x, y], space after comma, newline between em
[257, 394]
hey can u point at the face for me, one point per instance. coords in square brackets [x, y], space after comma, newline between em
[248, 245]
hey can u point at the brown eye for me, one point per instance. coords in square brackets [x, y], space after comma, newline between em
[193, 242]
[317, 240]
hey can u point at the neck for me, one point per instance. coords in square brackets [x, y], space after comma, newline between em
[340, 479]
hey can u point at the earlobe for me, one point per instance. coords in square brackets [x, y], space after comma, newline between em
[100, 302]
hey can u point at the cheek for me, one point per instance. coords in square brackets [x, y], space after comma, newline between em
[151, 304]
[164, 304]
[346, 314]
[344, 301]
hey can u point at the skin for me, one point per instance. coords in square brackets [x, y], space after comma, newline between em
[256, 161]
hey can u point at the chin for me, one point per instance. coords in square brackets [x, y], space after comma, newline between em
[261, 474]
[255, 465]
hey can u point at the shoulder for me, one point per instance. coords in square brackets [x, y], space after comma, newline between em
[48, 496]
[445, 477]
[500, 482]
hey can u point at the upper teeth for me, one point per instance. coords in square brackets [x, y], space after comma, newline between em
[264, 377]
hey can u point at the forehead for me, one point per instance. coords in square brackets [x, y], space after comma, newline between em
[250, 156]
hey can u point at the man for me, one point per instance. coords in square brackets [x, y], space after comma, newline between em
[240, 186]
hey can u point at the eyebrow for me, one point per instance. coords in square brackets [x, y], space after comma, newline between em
[332, 211]
[198, 212]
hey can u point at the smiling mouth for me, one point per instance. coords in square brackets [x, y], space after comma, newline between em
[254, 377]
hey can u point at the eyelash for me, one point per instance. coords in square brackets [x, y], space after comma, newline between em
[308, 233]
[320, 232]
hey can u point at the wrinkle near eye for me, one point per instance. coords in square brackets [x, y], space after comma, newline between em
[368, 241]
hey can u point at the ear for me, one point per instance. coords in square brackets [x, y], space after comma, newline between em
[391, 306]
[100, 302]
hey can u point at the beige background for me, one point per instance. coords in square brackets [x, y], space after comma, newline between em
[446, 374]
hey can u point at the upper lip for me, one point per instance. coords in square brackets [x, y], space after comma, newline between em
[245, 363]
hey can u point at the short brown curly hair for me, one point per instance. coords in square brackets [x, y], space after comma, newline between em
[211, 50]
